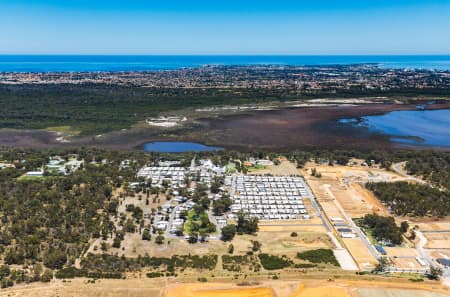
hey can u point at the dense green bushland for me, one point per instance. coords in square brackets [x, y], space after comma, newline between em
[112, 263]
[100, 108]
[271, 262]
[47, 223]
[407, 199]
[384, 229]
[319, 256]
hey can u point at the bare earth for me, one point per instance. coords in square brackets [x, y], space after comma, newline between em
[141, 287]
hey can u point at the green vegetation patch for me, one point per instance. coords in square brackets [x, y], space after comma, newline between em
[240, 262]
[112, 263]
[271, 262]
[383, 229]
[154, 274]
[198, 222]
[407, 199]
[319, 256]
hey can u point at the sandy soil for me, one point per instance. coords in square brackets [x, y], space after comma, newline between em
[217, 290]
[440, 240]
[397, 293]
[406, 263]
[141, 287]
[281, 243]
[346, 184]
[360, 253]
[81, 288]
[401, 252]
[441, 254]
[432, 224]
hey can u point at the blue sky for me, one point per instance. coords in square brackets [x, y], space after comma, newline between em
[224, 27]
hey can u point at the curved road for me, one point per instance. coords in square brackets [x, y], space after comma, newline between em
[399, 169]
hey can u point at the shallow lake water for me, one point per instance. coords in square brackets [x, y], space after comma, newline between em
[178, 147]
[416, 127]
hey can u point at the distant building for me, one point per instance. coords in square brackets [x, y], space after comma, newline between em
[444, 262]
[264, 162]
[6, 165]
[35, 173]
[381, 250]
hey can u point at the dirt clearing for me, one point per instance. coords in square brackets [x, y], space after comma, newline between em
[360, 253]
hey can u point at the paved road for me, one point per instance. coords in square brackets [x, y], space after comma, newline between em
[213, 220]
[192, 164]
[419, 247]
[399, 168]
[316, 206]
[171, 218]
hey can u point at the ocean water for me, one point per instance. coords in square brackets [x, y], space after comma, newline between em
[416, 127]
[90, 63]
[178, 147]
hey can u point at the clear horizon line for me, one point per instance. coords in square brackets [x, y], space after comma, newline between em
[222, 54]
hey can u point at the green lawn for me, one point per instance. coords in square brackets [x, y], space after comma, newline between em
[192, 218]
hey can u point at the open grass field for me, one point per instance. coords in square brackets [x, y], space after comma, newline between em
[285, 168]
[281, 243]
[292, 228]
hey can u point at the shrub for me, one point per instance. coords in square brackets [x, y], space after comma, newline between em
[228, 232]
[55, 259]
[47, 276]
[154, 274]
[159, 239]
[146, 234]
[305, 265]
[319, 256]
[270, 262]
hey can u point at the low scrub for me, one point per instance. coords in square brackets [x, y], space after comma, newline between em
[271, 262]
[319, 256]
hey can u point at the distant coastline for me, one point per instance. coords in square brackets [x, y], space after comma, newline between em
[95, 63]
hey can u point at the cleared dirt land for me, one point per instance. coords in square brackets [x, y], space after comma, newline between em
[438, 240]
[341, 193]
[163, 288]
[396, 293]
[346, 185]
[360, 253]
[436, 231]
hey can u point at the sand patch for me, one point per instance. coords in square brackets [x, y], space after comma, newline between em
[201, 291]
[320, 292]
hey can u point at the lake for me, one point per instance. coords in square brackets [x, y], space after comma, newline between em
[178, 147]
[413, 127]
